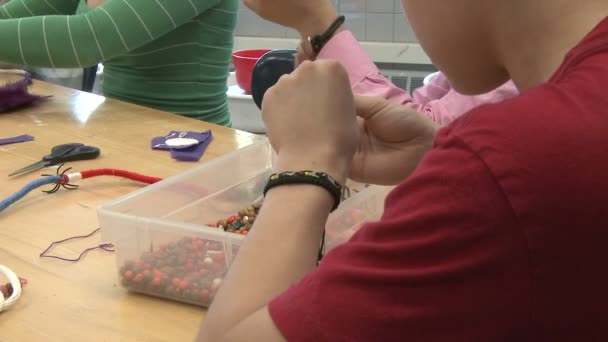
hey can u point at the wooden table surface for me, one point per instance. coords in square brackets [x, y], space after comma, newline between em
[83, 301]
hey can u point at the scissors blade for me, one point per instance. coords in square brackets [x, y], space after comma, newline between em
[36, 166]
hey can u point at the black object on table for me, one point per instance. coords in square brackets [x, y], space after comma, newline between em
[267, 71]
[88, 78]
[62, 154]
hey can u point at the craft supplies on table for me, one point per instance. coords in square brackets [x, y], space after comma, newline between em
[62, 154]
[15, 95]
[166, 245]
[184, 146]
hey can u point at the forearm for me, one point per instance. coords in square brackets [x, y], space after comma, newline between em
[281, 248]
[111, 29]
[22, 9]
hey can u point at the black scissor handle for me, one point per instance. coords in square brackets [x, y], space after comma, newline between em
[71, 152]
[79, 153]
[61, 150]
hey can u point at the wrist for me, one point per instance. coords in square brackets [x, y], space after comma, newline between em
[318, 199]
[317, 23]
[332, 164]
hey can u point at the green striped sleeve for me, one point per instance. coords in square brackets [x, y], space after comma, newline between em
[112, 29]
[32, 8]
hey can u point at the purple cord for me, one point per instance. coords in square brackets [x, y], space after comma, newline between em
[108, 247]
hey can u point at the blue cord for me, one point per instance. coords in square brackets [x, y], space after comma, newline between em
[5, 203]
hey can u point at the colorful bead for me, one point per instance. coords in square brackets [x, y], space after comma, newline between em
[175, 282]
[184, 284]
[215, 284]
[138, 278]
[4, 291]
[204, 294]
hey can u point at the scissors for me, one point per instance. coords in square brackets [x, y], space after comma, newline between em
[61, 154]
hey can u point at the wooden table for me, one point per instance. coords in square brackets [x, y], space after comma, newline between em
[83, 301]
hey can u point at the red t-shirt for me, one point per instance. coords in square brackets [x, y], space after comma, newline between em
[501, 234]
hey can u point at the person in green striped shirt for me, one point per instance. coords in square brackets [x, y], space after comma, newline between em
[172, 55]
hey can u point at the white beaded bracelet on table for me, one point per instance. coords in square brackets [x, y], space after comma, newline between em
[6, 303]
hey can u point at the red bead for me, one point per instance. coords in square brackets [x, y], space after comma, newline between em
[175, 282]
[138, 278]
[204, 294]
[218, 257]
[156, 281]
[231, 219]
[157, 272]
[4, 291]
[218, 267]
[212, 225]
[244, 232]
[128, 274]
[184, 284]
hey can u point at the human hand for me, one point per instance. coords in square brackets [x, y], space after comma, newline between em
[309, 17]
[310, 120]
[394, 138]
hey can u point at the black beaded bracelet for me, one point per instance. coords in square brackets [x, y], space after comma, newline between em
[307, 177]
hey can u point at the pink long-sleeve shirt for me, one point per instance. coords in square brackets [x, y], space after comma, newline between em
[437, 99]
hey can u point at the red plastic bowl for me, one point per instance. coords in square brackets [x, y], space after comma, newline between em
[244, 62]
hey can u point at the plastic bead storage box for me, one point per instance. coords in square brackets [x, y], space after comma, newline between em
[166, 243]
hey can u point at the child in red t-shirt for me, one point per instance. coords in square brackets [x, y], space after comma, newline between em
[497, 229]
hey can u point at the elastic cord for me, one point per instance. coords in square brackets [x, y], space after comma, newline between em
[317, 42]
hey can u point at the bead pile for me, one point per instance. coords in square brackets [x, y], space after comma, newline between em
[192, 269]
[242, 222]
[189, 270]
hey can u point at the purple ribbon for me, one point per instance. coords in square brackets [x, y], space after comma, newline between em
[18, 139]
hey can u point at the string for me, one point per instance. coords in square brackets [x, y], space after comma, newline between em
[108, 247]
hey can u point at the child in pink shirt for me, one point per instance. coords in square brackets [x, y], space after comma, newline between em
[437, 99]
